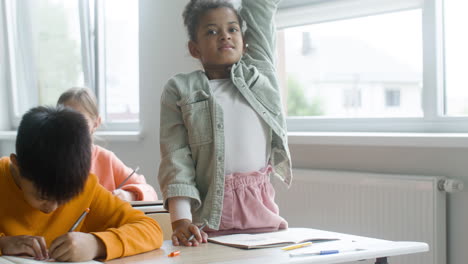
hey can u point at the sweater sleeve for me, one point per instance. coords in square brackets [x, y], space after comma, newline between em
[136, 184]
[261, 29]
[123, 230]
[176, 171]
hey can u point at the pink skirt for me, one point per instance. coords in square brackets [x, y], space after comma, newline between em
[248, 205]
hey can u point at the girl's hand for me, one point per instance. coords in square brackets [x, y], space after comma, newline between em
[183, 229]
[33, 246]
[77, 247]
[124, 195]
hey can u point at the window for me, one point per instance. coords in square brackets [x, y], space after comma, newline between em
[53, 45]
[456, 58]
[373, 66]
[353, 55]
[121, 60]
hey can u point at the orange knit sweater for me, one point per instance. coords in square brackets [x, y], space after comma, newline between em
[124, 230]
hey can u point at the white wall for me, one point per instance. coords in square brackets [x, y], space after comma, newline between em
[163, 53]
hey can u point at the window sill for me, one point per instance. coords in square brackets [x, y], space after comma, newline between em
[435, 140]
[442, 140]
[7, 135]
[131, 136]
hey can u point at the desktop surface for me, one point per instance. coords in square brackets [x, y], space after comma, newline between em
[214, 253]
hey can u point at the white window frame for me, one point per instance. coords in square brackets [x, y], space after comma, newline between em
[433, 120]
[93, 57]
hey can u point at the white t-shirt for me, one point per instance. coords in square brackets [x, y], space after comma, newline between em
[246, 135]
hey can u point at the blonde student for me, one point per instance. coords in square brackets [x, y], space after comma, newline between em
[46, 186]
[110, 170]
[222, 132]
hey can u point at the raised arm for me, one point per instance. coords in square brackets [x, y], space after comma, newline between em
[261, 30]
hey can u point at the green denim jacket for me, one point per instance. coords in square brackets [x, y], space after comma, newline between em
[191, 130]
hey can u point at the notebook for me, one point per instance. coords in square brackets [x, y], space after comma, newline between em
[25, 260]
[272, 239]
[146, 203]
[149, 206]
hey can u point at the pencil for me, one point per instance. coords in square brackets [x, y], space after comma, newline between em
[128, 177]
[301, 245]
[78, 221]
[174, 253]
[200, 228]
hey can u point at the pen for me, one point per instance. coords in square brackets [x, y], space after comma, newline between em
[128, 177]
[321, 252]
[200, 228]
[78, 221]
[297, 246]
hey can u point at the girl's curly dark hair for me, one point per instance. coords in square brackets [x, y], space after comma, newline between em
[195, 9]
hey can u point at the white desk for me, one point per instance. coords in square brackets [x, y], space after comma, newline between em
[149, 207]
[155, 210]
[214, 253]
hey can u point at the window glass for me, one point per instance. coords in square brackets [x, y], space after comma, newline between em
[342, 68]
[57, 47]
[456, 57]
[121, 61]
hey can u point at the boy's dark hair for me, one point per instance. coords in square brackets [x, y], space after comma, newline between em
[195, 9]
[53, 149]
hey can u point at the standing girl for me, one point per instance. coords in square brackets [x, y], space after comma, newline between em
[110, 170]
[222, 130]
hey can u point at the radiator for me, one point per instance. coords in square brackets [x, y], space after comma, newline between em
[391, 207]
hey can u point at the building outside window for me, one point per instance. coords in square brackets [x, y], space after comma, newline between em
[392, 97]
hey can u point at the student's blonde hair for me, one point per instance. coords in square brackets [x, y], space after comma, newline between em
[82, 96]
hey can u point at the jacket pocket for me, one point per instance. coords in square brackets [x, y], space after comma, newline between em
[197, 119]
[267, 95]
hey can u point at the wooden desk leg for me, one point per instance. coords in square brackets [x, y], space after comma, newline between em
[381, 261]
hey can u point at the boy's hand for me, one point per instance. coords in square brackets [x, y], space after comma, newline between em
[34, 246]
[183, 229]
[77, 247]
[124, 195]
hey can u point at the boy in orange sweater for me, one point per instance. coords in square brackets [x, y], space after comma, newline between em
[46, 186]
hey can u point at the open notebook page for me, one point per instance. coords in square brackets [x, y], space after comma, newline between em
[24, 260]
[272, 239]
